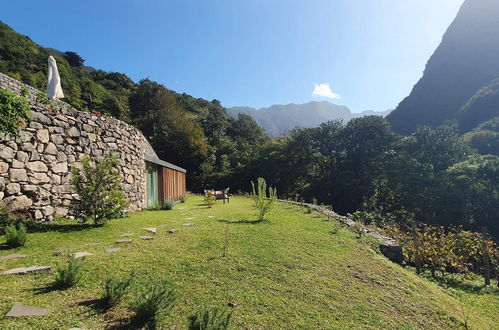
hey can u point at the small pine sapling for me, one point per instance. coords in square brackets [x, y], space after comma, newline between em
[263, 203]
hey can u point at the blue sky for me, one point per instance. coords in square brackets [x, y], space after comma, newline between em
[253, 52]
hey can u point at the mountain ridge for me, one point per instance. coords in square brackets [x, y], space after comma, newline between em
[278, 119]
[464, 62]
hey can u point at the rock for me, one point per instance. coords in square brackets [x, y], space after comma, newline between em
[12, 256]
[17, 164]
[123, 241]
[72, 132]
[38, 214]
[40, 117]
[173, 231]
[20, 310]
[2, 183]
[61, 212]
[112, 250]
[87, 128]
[6, 153]
[48, 210]
[188, 224]
[34, 156]
[77, 255]
[37, 166]
[38, 178]
[42, 135]
[60, 168]
[28, 146]
[147, 238]
[126, 235]
[57, 139]
[16, 203]
[13, 188]
[61, 251]
[151, 230]
[3, 167]
[17, 175]
[51, 149]
[23, 270]
[22, 156]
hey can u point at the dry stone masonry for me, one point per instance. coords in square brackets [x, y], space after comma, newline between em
[35, 166]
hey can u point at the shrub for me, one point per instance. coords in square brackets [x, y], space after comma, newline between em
[98, 187]
[168, 204]
[8, 218]
[69, 275]
[14, 112]
[152, 298]
[15, 236]
[210, 319]
[115, 290]
[263, 203]
[210, 200]
[183, 198]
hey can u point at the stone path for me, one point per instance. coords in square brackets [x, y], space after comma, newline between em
[151, 230]
[61, 251]
[82, 254]
[20, 310]
[123, 241]
[188, 224]
[173, 231]
[147, 238]
[25, 270]
[13, 256]
[112, 250]
[126, 235]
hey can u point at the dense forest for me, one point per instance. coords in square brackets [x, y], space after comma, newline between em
[434, 175]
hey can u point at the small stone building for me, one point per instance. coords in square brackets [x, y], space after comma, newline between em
[35, 166]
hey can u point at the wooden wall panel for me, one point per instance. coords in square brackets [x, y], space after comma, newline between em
[173, 184]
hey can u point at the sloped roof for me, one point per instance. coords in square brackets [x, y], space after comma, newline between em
[160, 162]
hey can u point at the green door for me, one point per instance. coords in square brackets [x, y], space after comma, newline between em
[152, 185]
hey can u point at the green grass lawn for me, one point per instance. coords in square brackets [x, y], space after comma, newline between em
[290, 272]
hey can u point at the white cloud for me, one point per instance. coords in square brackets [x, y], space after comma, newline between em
[325, 91]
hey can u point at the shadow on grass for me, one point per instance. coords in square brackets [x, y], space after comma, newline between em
[468, 286]
[5, 247]
[98, 305]
[48, 288]
[242, 222]
[63, 228]
[131, 323]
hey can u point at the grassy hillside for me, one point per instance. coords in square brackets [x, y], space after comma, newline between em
[290, 272]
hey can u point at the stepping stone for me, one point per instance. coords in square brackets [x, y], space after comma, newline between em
[151, 230]
[126, 235]
[82, 254]
[189, 218]
[188, 224]
[92, 244]
[61, 251]
[210, 216]
[12, 256]
[147, 238]
[20, 310]
[112, 250]
[25, 270]
[123, 241]
[173, 231]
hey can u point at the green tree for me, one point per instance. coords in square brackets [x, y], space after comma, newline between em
[100, 196]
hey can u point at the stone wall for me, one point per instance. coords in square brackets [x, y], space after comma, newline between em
[35, 166]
